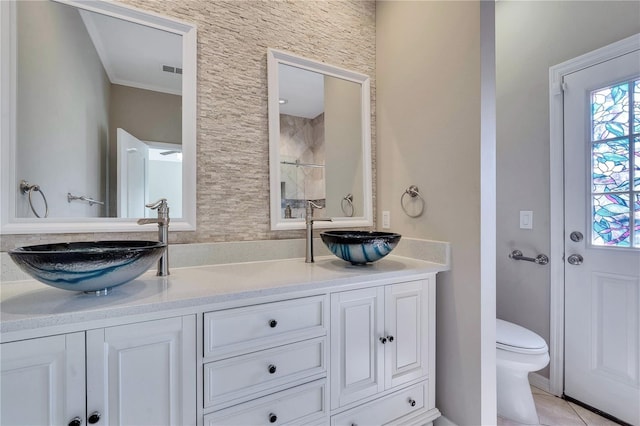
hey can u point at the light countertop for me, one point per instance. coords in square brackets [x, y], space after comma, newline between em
[28, 305]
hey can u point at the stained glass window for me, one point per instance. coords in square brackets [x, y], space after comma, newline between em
[636, 107]
[615, 164]
[610, 112]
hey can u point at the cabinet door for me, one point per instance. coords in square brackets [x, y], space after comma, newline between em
[357, 368]
[144, 373]
[43, 380]
[406, 320]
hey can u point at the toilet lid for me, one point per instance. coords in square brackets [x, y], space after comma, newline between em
[512, 337]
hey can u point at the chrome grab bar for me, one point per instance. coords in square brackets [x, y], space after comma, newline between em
[91, 201]
[541, 259]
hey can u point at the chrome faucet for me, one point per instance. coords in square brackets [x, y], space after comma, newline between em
[163, 232]
[309, 222]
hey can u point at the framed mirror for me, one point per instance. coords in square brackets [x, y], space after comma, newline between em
[98, 117]
[319, 142]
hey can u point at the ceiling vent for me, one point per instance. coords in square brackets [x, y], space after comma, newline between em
[172, 70]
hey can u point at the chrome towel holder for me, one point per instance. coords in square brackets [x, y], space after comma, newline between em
[27, 188]
[541, 259]
[349, 205]
[413, 193]
[91, 201]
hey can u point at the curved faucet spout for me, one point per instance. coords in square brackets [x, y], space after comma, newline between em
[309, 222]
[163, 232]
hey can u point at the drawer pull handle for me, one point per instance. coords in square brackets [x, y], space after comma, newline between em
[272, 369]
[273, 323]
[412, 402]
[273, 418]
[94, 417]
[390, 339]
[76, 421]
[383, 340]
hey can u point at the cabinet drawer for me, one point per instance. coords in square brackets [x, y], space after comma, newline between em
[296, 406]
[249, 375]
[233, 331]
[387, 409]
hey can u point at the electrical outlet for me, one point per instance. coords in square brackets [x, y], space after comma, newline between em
[386, 219]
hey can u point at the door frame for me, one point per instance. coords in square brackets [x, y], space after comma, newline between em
[556, 174]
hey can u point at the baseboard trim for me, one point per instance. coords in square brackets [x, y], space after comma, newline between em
[443, 421]
[540, 382]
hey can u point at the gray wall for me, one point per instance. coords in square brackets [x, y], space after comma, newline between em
[62, 110]
[429, 135]
[532, 36]
[343, 145]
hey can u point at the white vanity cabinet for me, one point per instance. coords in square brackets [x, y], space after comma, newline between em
[134, 374]
[282, 343]
[382, 339]
[265, 364]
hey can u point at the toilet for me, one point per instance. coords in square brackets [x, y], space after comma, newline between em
[519, 351]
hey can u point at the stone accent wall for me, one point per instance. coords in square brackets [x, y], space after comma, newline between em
[232, 124]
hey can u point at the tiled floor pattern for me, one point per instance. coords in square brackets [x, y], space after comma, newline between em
[554, 411]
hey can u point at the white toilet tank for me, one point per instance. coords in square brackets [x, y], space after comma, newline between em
[514, 338]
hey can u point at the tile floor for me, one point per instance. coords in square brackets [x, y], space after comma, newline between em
[554, 411]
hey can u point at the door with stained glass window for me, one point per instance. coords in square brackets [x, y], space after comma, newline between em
[602, 236]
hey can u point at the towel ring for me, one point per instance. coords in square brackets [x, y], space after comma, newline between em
[349, 205]
[27, 188]
[413, 192]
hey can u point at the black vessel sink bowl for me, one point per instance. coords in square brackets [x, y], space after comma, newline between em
[88, 266]
[360, 247]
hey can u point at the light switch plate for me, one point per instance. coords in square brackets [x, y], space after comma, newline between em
[526, 219]
[386, 219]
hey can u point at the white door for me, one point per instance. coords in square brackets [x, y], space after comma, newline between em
[144, 373]
[602, 262]
[43, 381]
[357, 324]
[133, 175]
[405, 317]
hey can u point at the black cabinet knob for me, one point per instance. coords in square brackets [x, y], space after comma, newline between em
[272, 369]
[273, 323]
[383, 340]
[390, 339]
[76, 421]
[412, 402]
[94, 417]
[273, 418]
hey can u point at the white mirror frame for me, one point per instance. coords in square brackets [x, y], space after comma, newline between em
[9, 223]
[274, 58]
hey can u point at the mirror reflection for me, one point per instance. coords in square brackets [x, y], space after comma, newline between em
[98, 117]
[314, 109]
[321, 150]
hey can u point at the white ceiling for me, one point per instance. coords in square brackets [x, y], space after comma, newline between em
[303, 90]
[133, 54]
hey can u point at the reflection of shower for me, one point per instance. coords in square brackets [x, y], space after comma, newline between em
[27, 188]
[297, 163]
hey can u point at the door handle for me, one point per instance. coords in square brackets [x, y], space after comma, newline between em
[575, 259]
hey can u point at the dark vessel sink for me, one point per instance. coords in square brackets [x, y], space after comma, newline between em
[88, 266]
[360, 247]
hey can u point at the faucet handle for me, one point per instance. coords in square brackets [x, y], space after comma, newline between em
[160, 204]
[313, 205]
